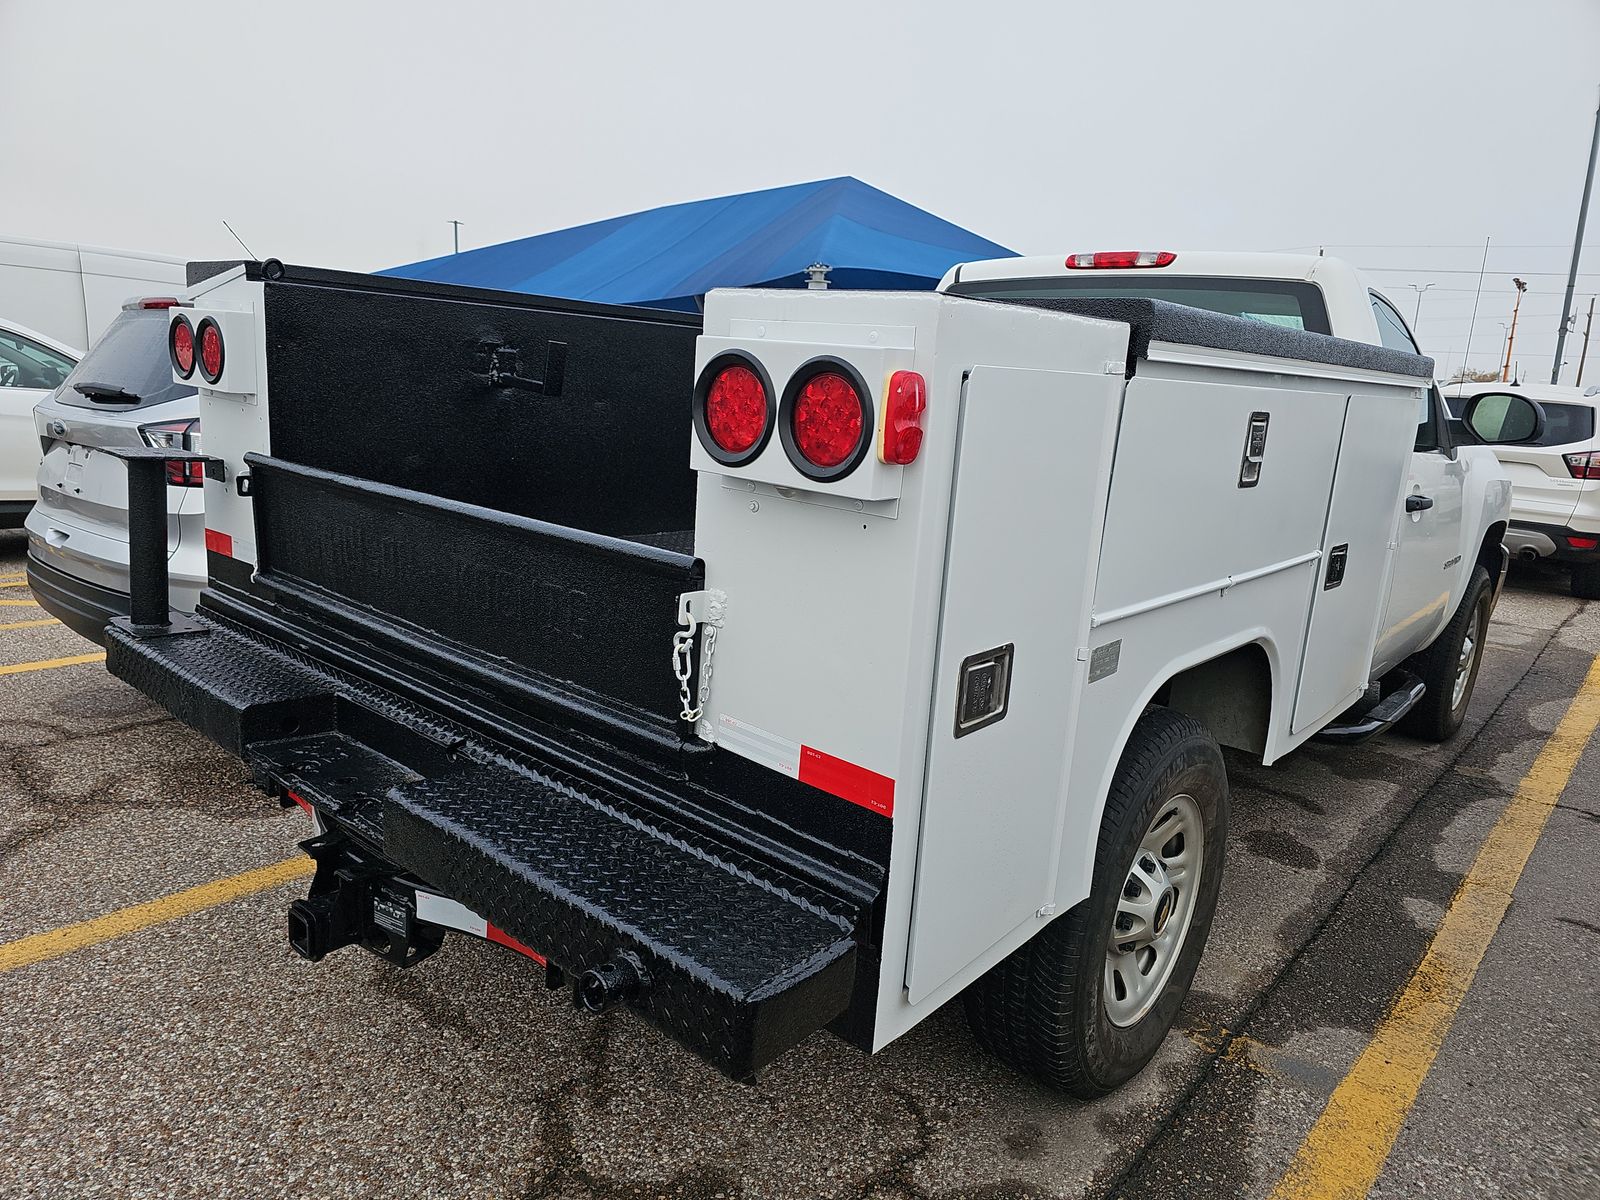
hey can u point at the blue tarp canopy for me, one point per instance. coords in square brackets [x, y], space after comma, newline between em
[670, 257]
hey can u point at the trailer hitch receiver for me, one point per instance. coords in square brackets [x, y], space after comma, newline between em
[352, 904]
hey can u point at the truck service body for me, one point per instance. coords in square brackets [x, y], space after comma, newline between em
[820, 722]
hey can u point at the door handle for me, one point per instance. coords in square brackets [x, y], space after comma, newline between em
[1418, 503]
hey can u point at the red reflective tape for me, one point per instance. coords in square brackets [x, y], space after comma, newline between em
[495, 934]
[222, 543]
[847, 781]
[298, 801]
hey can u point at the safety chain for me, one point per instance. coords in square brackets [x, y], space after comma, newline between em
[693, 704]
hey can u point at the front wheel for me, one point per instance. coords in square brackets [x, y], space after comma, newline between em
[1085, 1004]
[1449, 667]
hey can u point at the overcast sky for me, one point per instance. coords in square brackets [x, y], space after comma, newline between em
[1398, 134]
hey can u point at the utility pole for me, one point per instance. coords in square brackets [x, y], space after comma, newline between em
[1416, 317]
[1577, 250]
[1585, 353]
[455, 230]
[1511, 338]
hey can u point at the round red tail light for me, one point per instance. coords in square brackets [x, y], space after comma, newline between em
[829, 418]
[733, 410]
[736, 409]
[210, 339]
[181, 345]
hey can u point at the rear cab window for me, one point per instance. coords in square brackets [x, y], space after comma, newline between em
[1287, 303]
[131, 356]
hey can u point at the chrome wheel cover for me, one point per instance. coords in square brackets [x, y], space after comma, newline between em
[1154, 911]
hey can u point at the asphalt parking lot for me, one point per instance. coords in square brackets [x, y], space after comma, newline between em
[195, 1055]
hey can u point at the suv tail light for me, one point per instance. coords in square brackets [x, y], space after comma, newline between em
[733, 410]
[1106, 260]
[828, 421]
[1584, 465]
[180, 346]
[177, 435]
[209, 340]
[903, 404]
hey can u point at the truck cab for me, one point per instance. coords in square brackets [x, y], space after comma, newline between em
[1458, 495]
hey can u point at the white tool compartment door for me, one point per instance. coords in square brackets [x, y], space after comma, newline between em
[1362, 517]
[1033, 467]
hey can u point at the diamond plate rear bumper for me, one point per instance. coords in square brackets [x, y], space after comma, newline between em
[743, 960]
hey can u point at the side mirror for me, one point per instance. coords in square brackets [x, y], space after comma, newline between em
[1503, 418]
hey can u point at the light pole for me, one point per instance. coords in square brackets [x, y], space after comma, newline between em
[1416, 317]
[1505, 371]
[1577, 251]
[455, 230]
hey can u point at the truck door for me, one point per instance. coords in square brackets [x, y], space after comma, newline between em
[1357, 559]
[1429, 540]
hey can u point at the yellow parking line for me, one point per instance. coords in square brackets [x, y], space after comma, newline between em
[1347, 1147]
[41, 946]
[29, 624]
[20, 603]
[5, 583]
[70, 661]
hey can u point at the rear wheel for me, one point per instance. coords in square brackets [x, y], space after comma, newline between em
[1085, 1004]
[1586, 581]
[1449, 667]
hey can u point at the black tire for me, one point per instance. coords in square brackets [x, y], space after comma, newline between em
[1586, 581]
[1041, 1009]
[1437, 717]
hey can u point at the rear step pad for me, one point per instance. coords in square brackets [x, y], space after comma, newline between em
[232, 689]
[740, 969]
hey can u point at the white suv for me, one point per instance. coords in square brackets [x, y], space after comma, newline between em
[1555, 478]
[121, 394]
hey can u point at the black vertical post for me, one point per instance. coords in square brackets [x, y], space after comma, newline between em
[147, 541]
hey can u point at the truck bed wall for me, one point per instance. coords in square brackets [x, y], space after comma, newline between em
[388, 380]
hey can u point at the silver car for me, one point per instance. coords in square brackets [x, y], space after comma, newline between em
[121, 394]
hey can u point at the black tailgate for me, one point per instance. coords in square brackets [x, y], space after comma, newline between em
[574, 625]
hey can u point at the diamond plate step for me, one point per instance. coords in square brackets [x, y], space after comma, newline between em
[741, 968]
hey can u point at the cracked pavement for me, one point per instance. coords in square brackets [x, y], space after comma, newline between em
[201, 1057]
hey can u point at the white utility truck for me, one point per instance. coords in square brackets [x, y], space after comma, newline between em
[809, 669]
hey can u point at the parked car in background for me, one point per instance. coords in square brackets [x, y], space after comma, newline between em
[1555, 477]
[121, 394]
[73, 292]
[31, 366]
